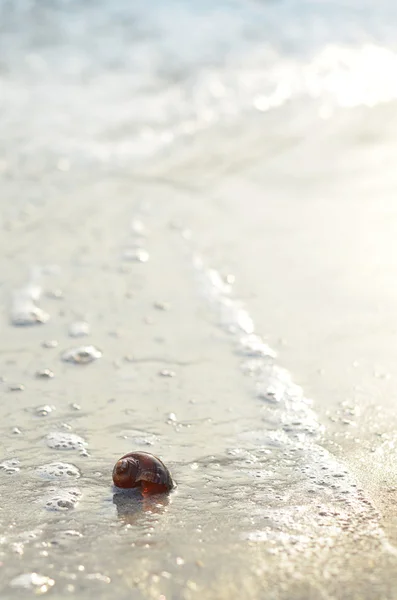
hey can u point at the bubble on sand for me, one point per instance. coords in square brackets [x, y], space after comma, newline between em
[62, 500]
[10, 466]
[28, 314]
[24, 310]
[40, 584]
[49, 343]
[171, 418]
[81, 355]
[162, 305]
[167, 373]
[44, 411]
[65, 441]
[136, 255]
[44, 374]
[16, 387]
[58, 470]
[79, 329]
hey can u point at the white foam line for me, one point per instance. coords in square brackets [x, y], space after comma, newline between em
[273, 384]
[289, 428]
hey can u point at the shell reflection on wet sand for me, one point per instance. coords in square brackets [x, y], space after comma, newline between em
[130, 505]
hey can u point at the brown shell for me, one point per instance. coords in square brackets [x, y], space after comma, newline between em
[143, 470]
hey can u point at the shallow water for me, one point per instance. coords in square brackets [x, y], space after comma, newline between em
[176, 184]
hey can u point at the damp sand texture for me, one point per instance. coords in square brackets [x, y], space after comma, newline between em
[180, 276]
[173, 365]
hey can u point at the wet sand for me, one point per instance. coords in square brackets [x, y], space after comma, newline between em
[274, 498]
[319, 277]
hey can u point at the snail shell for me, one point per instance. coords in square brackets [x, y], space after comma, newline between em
[143, 470]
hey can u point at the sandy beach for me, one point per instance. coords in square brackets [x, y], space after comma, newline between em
[183, 276]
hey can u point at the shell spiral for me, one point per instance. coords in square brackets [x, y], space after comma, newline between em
[142, 470]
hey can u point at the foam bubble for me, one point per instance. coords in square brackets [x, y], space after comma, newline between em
[167, 373]
[79, 329]
[136, 255]
[58, 470]
[44, 411]
[16, 387]
[81, 355]
[24, 310]
[28, 314]
[62, 499]
[10, 466]
[44, 374]
[49, 343]
[59, 440]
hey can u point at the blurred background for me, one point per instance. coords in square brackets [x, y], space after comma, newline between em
[124, 81]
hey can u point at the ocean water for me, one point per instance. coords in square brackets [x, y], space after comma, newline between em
[119, 81]
[184, 185]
